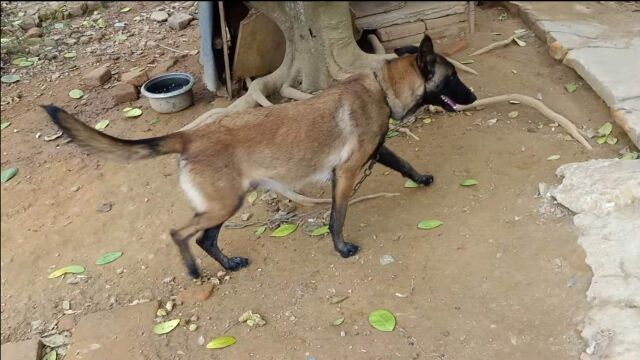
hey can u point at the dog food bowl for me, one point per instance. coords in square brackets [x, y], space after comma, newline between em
[169, 93]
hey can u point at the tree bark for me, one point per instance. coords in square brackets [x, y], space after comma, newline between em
[320, 48]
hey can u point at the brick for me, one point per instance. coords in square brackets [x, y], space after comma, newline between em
[23, 350]
[162, 67]
[401, 30]
[450, 30]
[455, 47]
[123, 93]
[557, 51]
[98, 76]
[135, 77]
[195, 294]
[435, 24]
[35, 32]
[179, 21]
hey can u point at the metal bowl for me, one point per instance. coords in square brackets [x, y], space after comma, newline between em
[169, 93]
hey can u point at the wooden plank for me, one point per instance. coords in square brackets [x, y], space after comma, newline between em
[260, 48]
[401, 30]
[366, 8]
[445, 21]
[450, 30]
[411, 12]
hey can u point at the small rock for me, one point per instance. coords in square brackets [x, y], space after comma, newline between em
[201, 340]
[135, 77]
[491, 122]
[77, 8]
[54, 341]
[168, 280]
[161, 312]
[342, 333]
[386, 259]
[513, 114]
[194, 318]
[162, 67]
[179, 21]
[120, 271]
[245, 217]
[195, 294]
[571, 282]
[36, 326]
[98, 76]
[66, 323]
[104, 207]
[123, 93]
[66, 305]
[193, 327]
[75, 188]
[35, 32]
[539, 96]
[169, 305]
[159, 16]
[93, 5]
[221, 274]
[29, 21]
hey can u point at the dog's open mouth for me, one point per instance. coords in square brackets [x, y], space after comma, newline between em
[449, 102]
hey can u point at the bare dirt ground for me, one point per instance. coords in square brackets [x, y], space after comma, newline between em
[490, 283]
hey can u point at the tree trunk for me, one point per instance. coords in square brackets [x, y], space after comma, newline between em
[320, 48]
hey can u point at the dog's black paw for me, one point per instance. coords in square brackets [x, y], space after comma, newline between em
[194, 272]
[348, 250]
[236, 263]
[425, 180]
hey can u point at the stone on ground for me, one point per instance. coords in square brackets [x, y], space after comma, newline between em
[135, 77]
[179, 21]
[23, 350]
[123, 93]
[98, 76]
[159, 16]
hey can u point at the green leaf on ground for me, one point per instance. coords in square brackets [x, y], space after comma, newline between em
[630, 156]
[53, 355]
[611, 140]
[338, 322]
[102, 124]
[553, 157]
[465, 62]
[5, 125]
[392, 133]
[165, 327]
[321, 230]
[260, 230]
[135, 112]
[605, 129]
[601, 139]
[429, 224]
[469, 182]
[9, 79]
[571, 87]
[17, 61]
[76, 93]
[124, 10]
[382, 320]
[108, 257]
[154, 121]
[410, 184]
[251, 198]
[70, 55]
[8, 174]
[72, 269]
[221, 342]
[284, 230]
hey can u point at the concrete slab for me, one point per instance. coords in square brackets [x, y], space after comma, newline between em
[584, 29]
[23, 350]
[612, 73]
[627, 115]
[121, 333]
[606, 195]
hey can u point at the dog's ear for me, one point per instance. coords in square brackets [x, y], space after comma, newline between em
[426, 59]
[411, 49]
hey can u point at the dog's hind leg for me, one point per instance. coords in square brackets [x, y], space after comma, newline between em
[389, 159]
[209, 243]
[342, 185]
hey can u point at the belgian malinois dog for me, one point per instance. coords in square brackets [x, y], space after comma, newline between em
[330, 136]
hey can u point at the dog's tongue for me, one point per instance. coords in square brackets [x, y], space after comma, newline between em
[449, 101]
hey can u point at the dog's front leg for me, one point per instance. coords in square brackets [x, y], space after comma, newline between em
[342, 185]
[389, 159]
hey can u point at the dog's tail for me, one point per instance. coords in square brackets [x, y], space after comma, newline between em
[95, 141]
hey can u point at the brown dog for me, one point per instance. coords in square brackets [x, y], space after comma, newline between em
[327, 137]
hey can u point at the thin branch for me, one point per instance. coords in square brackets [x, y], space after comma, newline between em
[404, 130]
[461, 66]
[536, 104]
[497, 44]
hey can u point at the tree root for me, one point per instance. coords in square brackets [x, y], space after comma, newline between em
[497, 44]
[404, 131]
[291, 93]
[375, 42]
[308, 201]
[536, 104]
[461, 66]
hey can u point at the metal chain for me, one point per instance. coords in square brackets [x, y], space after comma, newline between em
[367, 172]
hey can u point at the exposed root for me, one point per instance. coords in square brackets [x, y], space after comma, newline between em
[291, 93]
[259, 97]
[404, 131]
[536, 104]
[308, 201]
[497, 44]
[375, 42]
[461, 66]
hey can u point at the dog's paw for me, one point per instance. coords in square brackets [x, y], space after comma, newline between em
[236, 263]
[194, 272]
[425, 179]
[348, 250]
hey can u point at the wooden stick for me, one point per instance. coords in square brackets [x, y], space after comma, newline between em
[536, 104]
[461, 66]
[497, 44]
[472, 17]
[223, 27]
[404, 131]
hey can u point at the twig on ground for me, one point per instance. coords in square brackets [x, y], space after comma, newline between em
[461, 66]
[404, 130]
[536, 104]
[189, 52]
[497, 44]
